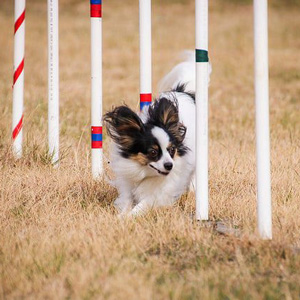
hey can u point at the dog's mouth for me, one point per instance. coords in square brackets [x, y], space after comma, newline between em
[160, 172]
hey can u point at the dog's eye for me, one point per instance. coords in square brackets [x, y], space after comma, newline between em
[172, 151]
[153, 153]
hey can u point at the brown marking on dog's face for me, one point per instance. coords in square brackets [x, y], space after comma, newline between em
[145, 159]
[176, 155]
[172, 150]
[140, 158]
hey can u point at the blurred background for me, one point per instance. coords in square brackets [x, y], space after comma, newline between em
[59, 237]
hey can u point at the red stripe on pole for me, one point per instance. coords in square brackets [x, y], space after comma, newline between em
[96, 11]
[145, 97]
[96, 144]
[17, 128]
[96, 129]
[18, 71]
[19, 21]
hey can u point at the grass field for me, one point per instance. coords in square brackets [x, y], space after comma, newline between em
[59, 234]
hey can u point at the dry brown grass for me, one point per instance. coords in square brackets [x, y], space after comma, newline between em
[59, 236]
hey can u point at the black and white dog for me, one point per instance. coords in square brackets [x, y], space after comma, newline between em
[153, 152]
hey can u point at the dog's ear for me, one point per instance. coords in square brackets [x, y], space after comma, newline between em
[164, 112]
[123, 126]
[180, 134]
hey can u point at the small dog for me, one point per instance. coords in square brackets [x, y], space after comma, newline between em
[153, 153]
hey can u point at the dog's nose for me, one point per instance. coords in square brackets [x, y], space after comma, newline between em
[168, 166]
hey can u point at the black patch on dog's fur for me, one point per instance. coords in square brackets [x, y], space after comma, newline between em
[181, 88]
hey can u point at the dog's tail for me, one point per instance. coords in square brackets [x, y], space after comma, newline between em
[183, 73]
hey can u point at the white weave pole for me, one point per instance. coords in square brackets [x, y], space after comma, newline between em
[96, 77]
[201, 109]
[53, 82]
[18, 81]
[264, 209]
[145, 53]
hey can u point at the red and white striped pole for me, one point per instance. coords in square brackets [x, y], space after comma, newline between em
[18, 81]
[53, 82]
[145, 53]
[96, 76]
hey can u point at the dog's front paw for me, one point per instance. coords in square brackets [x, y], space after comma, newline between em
[122, 216]
[140, 209]
[122, 205]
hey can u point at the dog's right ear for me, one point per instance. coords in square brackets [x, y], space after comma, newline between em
[123, 126]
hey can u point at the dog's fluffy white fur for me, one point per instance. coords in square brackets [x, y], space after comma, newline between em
[142, 187]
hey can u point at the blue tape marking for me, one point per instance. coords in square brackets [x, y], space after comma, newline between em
[96, 1]
[143, 104]
[96, 137]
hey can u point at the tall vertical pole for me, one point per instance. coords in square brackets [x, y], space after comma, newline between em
[202, 109]
[53, 82]
[145, 53]
[18, 80]
[264, 209]
[96, 76]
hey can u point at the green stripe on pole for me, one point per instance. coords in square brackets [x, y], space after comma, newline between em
[201, 55]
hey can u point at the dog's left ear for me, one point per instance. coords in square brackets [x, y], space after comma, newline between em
[165, 113]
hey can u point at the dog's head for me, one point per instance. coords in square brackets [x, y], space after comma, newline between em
[155, 143]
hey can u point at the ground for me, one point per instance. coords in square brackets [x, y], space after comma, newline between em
[59, 234]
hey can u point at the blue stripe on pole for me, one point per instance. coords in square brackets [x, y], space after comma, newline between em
[96, 137]
[96, 1]
[143, 104]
